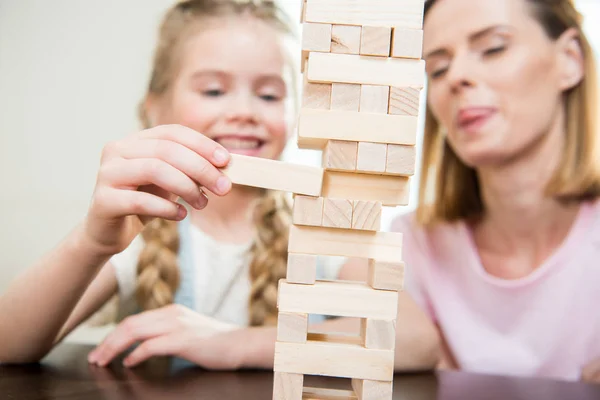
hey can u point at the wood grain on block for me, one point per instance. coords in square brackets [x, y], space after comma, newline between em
[301, 269]
[373, 390]
[404, 101]
[407, 43]
[368, 70]
[308, 210]
[316, 95]
[340, 155]
[345, 96]
[287, 386]
[337, 213]
[273, 174]
[337, 360]
[401, 13]
[366, 215]
[292, 327]
[401, 160]
[378, 333]
[339, 298]
[389, 190]
[382, 246]
[371, 157]
[345, 39]
[376, 41]
[335, 338]
[327, 394]
[386, 275]
[316, 127]
[374, 98]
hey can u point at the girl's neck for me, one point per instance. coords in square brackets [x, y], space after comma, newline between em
[229, 218]
[520, 221]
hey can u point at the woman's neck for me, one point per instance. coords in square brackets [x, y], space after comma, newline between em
[521, 223]
[228, 218]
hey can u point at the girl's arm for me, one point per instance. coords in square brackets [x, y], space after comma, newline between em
[43, 304]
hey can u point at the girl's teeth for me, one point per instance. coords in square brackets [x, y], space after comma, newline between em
[240, 144]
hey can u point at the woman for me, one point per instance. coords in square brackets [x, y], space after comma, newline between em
[503, 251]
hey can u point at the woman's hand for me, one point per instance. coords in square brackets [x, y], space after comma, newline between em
[591, 372]
[142, 177]
[173, 331]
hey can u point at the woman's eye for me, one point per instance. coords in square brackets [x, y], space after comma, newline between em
[494, 50]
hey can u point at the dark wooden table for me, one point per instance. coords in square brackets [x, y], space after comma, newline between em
[65, 374]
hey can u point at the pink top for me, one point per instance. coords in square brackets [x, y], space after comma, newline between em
[546, 324]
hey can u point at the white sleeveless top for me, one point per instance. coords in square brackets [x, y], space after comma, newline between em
[222, 283]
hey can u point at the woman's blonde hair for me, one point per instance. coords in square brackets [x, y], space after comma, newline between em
[449, 189]
[158, 270]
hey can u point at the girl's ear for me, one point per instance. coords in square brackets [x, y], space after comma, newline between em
[151, 110]
[570, 60]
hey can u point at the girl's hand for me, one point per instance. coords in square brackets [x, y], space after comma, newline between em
[142, 177]
[172, 331]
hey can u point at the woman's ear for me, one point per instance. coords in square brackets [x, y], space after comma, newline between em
[571, 62]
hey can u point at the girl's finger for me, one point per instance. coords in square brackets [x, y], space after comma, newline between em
[131, 330]
[207, 148]
[181, 157]
[131, 174]
[116, 203]
[165, 345]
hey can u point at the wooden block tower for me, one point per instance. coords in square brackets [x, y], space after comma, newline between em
[363, 75]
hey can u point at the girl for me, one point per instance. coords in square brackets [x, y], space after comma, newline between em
[504, 246]
[206, 278]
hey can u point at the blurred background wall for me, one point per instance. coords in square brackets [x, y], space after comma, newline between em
[71, 75]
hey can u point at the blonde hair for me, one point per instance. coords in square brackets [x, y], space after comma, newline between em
[449, 189]
[158, 270]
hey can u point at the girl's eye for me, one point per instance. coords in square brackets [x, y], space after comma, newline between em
[438, 73]
[494, 50]
[213, 92]
[269, 97]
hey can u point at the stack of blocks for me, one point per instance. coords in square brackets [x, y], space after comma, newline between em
[363, 76]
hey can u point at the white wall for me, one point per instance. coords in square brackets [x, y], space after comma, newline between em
[71, 74]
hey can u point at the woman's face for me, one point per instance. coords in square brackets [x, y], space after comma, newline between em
[230, 87]
[495, 77]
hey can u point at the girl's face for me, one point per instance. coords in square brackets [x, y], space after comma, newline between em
[230, 87]
[495, 78]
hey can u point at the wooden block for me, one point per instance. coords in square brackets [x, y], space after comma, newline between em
[337, 360]
[316, 95]
[316, 127]
[303, 11]
[366, 215]
[373, 390]
[385, 275]
[407, 43]
[307, 210]
[345, 39]
[316, 37]
[374, 99]
[345, 96]
[368, 70]
[404, 101]
[389, 190]
[292, 327]
[301, 269]
[287, 386]
[378, 334]
[382, 246]
[401, 160]
[336, 338]
[340, 299]
[401, 13]
[340, 155]
[337, 213]
[371, 157]
[376, 41]
[274, 174]
[328, 394]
